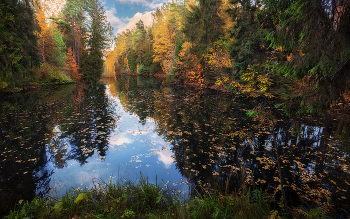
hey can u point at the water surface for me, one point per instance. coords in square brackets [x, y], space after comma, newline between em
[191, 140]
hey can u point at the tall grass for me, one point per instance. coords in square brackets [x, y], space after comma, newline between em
[145, 200]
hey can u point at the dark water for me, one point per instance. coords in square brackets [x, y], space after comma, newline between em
[189, 139]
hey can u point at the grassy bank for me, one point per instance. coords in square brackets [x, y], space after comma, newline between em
[45, 75]
[145, 200]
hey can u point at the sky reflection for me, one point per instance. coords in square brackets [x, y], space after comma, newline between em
[133, 148]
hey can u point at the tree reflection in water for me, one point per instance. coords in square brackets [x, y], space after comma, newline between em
[43, 126]
[214, 144]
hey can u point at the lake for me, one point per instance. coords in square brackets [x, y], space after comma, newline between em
[189, 140]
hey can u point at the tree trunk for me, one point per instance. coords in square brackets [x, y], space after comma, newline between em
[74, 49]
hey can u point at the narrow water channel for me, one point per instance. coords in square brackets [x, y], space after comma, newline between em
[188, 139]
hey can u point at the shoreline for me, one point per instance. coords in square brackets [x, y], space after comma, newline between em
[146, 200]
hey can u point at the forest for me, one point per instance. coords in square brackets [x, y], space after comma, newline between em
[297, 51]
[294, 50]
[40, 49]
[245, 100]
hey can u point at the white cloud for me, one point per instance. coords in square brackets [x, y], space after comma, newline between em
[121, 139]
[165, 156]
[153, 4]
[122, 24]
[131, 22]
[113, 19]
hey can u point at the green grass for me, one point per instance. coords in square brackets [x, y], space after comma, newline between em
[48, 74]
[144, 200]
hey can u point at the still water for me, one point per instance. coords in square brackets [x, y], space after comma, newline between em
[189, 140]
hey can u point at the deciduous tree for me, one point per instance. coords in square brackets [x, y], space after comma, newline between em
[72, 66]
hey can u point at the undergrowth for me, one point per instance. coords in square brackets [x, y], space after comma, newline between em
[146, 200]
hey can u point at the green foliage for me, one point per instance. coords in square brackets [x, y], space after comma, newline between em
[138, 41]
[314, 36]
[203, 24]
[81, 197]
[203, 27]
[143, 70]
[250, 31]
[251, 113]
[50, 74]
[178, 46]
[18, 43]
[138, 201]
[98, 40]
[92, 65]
[25, 209]
[73, 25]
[132, 61]
[151, 201]
[59, 54]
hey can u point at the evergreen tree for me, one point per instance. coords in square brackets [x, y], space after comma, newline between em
[203, 23]
[99, 37]
[132, 60]
[138, 41]
[316, 36]
[18, 43]
[250, 31]
[203, 27]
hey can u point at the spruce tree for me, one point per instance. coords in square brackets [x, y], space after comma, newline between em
[315, 34]
[99, 38]
[18, 42]
[250, 30]
[203, 27]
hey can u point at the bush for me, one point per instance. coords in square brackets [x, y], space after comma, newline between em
[143, 70]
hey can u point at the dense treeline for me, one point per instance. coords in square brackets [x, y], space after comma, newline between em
[46, 49]
[298, 50]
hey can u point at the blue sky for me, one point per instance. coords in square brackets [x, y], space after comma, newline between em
[124, 14]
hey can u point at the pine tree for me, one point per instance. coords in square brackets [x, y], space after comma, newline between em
[73, 27]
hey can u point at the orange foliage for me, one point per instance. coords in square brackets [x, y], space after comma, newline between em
[72, 66]
[227, 19]
[188, 65]
[44, 10]
[44, 35]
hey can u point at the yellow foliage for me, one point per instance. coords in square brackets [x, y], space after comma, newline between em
[218, 58]
[109, 64]
[164, 41]
[81, 197]
[126, 61]
[227, 19]
[188, 65]
[255, 83]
